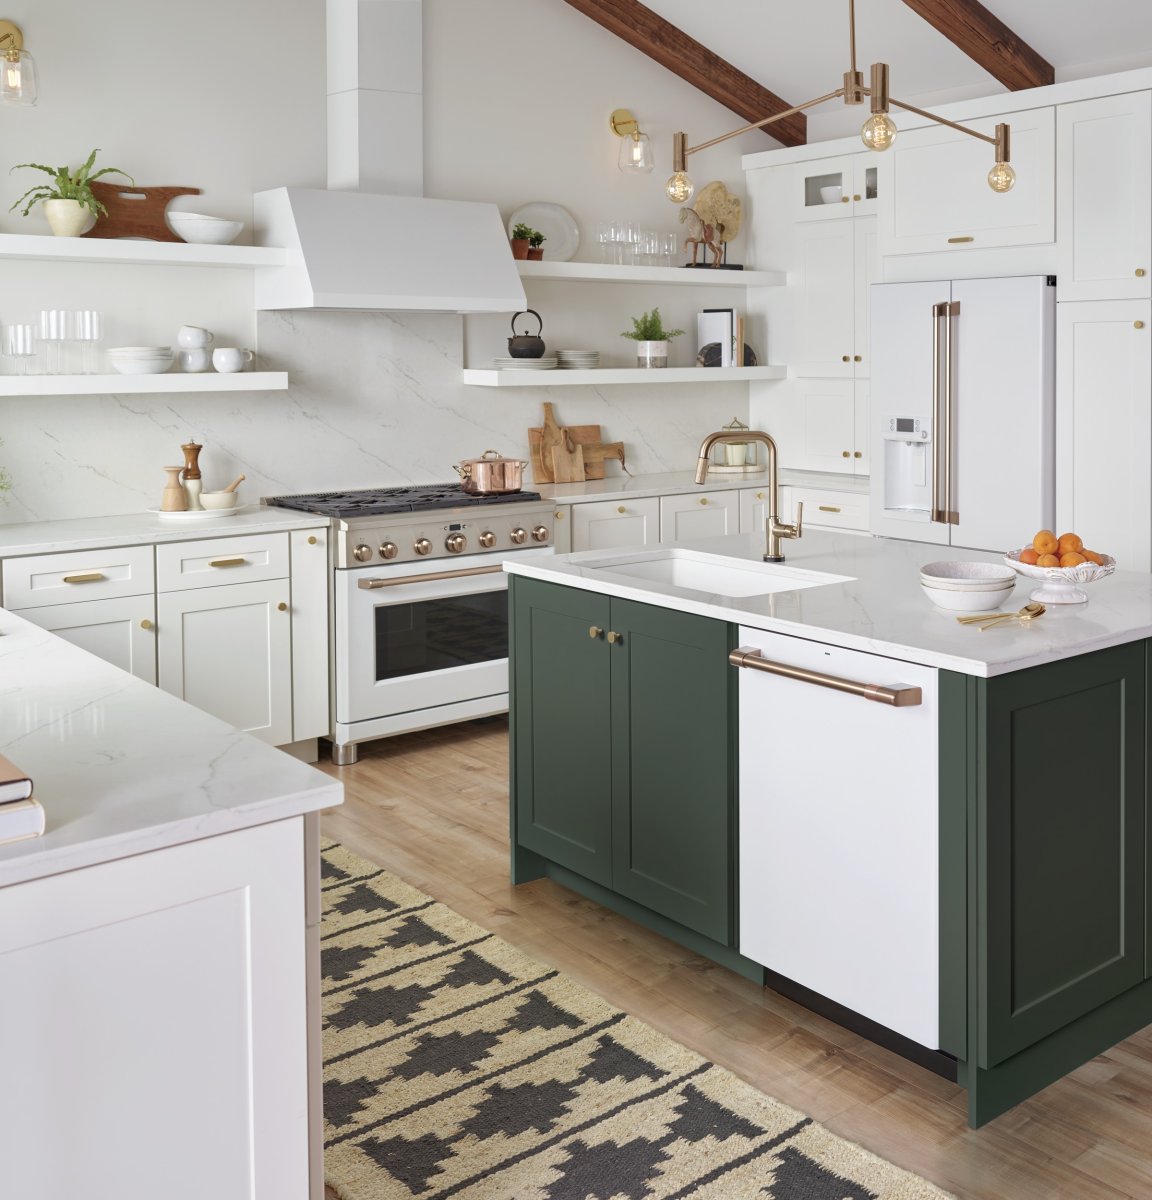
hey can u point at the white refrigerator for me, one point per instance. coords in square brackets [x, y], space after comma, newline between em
[963, 410]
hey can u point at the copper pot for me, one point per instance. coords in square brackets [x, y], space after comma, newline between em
[490, 475]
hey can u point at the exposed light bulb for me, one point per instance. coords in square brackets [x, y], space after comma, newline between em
[679, 187]
[878, 132]
[18, 78]
[636, 154]
[1001, 177]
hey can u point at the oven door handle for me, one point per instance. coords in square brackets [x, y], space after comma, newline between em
[370, 585]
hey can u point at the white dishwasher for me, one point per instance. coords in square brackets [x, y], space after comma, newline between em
[839, 874]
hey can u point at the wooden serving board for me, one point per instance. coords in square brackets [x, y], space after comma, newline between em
[541, 455]
[136, 212]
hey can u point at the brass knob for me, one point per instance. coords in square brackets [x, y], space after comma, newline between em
[621, 509]
[858, 454]
[362, 553]
[845, 454]
[389, 549]
[540, 533]
[559, 514]
[146, 624]
[422, 546]
[843, 199]
[857, 358]
[454, 543]
[282, 606]
[614, 637]
[1137, 324]
[759, 495]
[518, 536]
[594, 631]
[1140, 272]
[487, 539]
[312, 541]
[703, 499]
[845, 358]
[856, 197]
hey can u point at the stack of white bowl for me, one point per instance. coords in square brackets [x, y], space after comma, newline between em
[970, 587]
[141, 360]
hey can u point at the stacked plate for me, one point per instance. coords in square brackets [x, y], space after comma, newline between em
[967, 586]
[548, 363]
[141, 360]
[579, 360]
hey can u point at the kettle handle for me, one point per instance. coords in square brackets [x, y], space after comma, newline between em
[520, 314]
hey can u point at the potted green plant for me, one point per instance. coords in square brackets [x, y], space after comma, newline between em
[651, 339]
[535, 244]
[521, 240]
[69, 204]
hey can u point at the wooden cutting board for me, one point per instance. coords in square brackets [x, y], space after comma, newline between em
[581, 435]
[568, 462]
[136, 212]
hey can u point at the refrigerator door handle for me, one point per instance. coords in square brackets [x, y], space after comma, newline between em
[940, 430]
[951, 312]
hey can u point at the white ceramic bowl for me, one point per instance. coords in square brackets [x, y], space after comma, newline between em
[203, 230]
[965, 576]
[1059, 583]
[142, 366]
[832, 194]
[987, 600]
[218, 499]
[140, 351]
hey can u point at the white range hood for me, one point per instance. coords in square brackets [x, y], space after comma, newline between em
[356, 250]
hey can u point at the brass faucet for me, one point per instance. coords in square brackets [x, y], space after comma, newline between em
[775, 530]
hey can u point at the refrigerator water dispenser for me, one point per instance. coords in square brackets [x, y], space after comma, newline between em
[907, 467]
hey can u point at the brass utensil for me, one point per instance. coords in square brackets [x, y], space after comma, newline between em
[1028, 613]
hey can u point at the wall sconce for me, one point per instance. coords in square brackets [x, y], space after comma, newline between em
[635, 148]
[17, 68]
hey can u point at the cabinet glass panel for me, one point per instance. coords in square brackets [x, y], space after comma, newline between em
[434, 635]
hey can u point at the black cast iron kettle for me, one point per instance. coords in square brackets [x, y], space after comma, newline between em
[526, 345]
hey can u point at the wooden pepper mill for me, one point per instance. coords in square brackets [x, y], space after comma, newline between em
[192, 481]
[174, 498]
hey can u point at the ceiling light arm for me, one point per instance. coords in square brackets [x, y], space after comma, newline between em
[984, 137]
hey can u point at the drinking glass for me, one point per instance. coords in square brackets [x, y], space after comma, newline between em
[604, 236]
[20, 345]
[671, 249]
[88, 332]
[55, 330]
[630, 236]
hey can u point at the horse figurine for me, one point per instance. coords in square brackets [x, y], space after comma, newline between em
[700, 233]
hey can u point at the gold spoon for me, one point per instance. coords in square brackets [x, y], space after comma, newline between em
[1028, 613]
[980, 618]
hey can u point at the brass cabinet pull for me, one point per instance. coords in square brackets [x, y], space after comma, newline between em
[828, 508]
[703, 499]
[1140, 272]
[146, 624]
[857, 358]
[759, 495]
[86, 577]
[559, 514]
[227, 562]
[371, 585]
[856, 197]
[1137, 324]
[858, 454]
[749, 656]
[621, 509]
[312, 541]
[282, 607]
[843, 199]
[614, 637]
[845, 454]
[594, 631]
[845, 358]
[957, 240]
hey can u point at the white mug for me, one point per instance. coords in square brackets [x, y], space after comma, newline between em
[195, 360]
[231, 358]
[192, 337]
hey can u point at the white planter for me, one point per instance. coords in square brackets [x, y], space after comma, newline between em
[68, 218]
[651, 354]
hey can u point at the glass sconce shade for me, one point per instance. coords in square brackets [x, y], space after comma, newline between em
[679, 187]
[636, 154]
[1001, 178]
[878, 132]
[18, 78]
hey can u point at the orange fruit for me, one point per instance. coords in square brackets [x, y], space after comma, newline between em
[1070, 543]
[1029, 557]
[1045, 542]
[1072, 559]
[1093, 557]
[1047, 560]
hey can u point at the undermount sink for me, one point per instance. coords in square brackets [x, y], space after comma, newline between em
[711, 573]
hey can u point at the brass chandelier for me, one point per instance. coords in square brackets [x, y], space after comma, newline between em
[878, 132]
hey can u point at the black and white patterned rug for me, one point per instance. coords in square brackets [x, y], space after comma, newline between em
[456, 1066]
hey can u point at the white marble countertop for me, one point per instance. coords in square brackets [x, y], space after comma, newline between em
[92, 533]
[673, 483]
[881, 609]
[122, 768]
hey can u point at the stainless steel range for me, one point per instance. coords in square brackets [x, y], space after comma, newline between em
[420, 605]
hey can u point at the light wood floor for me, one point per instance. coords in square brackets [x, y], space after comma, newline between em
[432, 807]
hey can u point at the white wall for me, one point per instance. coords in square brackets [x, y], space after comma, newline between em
[517, 97]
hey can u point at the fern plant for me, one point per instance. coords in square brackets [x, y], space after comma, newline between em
[648, 327]
[67, 185]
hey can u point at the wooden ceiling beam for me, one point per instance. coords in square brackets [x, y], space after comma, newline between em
[661, 41]
[987, 41]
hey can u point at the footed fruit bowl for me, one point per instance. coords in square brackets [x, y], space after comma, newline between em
[1059, 585]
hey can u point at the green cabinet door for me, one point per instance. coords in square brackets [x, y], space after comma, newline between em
[561, 726]
[1060, 845]
[672, 783]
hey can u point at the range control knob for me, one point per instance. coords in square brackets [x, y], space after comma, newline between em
[518, 536]
[389, 549]
[422, 546]
[455, 542]
[362, 553]
[540, 533]
[487, 539]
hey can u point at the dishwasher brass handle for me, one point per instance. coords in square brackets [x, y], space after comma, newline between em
[86, 577]
[227, 562]
[749, 656]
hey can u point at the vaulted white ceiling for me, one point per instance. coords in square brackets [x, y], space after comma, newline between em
[799, 49]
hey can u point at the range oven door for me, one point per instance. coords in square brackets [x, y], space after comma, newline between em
[419, 636]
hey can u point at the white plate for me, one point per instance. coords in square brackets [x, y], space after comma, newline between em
[557, 224]
[196, 514]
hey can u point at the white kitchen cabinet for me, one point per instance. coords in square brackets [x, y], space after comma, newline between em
[607, 524]
[818, 837]
[310, 647]
[699, 515]
[228, 650]
[38, 580]
[938, 198]
[121, 631]
[1104, 427]
[562, 529]
[1104, 164]
[210, 562]
[855, 175]
[825, 508]
[754, 510]
[821, 425]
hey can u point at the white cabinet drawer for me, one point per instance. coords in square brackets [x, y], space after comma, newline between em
[43, 579]
[218, 561]
[837, 510]
[699, 515]
[608, 524]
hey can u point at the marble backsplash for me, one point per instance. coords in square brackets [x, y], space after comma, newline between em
[375, 399]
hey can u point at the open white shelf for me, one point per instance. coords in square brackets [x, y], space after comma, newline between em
[125, 385]
[601, 376]
[681, 276]
[126, 250]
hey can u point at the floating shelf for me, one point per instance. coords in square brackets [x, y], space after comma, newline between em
[125, 250]
[681, 276]
[602, 376]
[125, 385]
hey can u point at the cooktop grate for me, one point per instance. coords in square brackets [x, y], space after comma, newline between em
[371, 502]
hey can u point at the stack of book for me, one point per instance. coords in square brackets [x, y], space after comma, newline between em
[20, 815]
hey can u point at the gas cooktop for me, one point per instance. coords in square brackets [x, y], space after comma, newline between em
[371, 502]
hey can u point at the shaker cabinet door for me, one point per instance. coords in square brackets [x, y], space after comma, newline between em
[120, 631]
[699, 515]
[609, 524]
